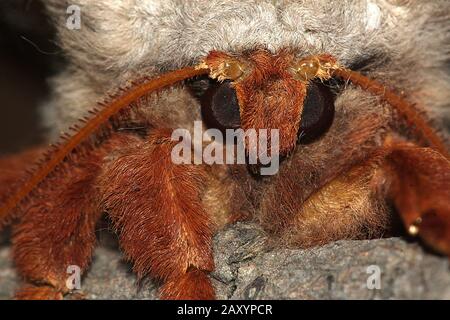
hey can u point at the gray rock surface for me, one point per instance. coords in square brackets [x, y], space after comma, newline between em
[246, 268]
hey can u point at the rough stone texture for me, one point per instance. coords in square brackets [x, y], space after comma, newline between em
[248, 269]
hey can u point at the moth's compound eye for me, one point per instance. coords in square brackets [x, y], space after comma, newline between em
[220, 107]
[318, 112]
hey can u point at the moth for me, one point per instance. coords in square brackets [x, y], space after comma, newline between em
[357, 90]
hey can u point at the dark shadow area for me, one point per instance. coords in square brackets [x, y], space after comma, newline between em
[28, 56]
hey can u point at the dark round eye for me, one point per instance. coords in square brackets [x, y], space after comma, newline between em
[220, 107]
[318, 112]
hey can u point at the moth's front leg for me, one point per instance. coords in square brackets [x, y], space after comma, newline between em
[156, 208]
[57, 229]
[419, 186]
[353, 204]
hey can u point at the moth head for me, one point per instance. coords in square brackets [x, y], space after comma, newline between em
[264, 91]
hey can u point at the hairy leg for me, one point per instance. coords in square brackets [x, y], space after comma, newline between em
[351, 206]
[156, 208]
[416, 180]
[420, 190]
[57, 227]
